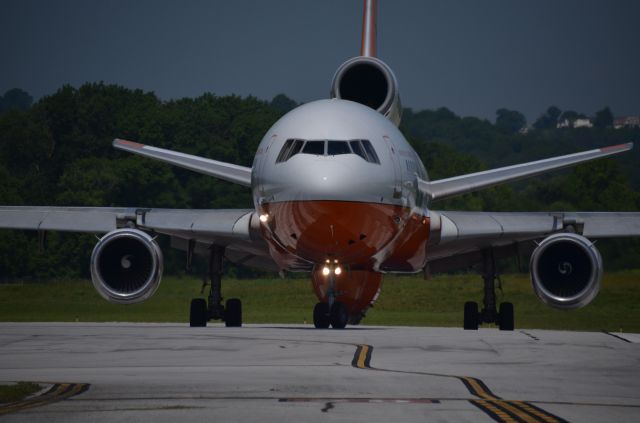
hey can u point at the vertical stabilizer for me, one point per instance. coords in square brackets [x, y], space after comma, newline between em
[368, 47]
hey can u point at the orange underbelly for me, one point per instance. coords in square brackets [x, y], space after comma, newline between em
[350, 232]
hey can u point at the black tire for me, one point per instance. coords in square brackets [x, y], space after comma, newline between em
[198, 313]
[471, 315]
[321, 316]
[339, 315]
[505, 316]
[233, 313]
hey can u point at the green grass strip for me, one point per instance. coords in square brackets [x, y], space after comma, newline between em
[17, 392]
[405, 300]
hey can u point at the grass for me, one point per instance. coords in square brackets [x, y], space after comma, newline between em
[17, 392]
[404, 301]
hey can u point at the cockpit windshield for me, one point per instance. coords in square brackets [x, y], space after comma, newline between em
[362, 148]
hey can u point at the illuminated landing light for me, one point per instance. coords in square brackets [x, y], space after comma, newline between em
[264, 218]
[326, 271]
[337, 270]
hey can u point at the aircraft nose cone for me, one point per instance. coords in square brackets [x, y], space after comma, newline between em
[341, 178]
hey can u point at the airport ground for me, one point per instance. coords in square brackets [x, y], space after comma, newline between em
[104, 372]
[404, 301]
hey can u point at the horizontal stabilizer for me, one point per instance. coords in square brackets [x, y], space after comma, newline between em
[458, 185]
[229, 172]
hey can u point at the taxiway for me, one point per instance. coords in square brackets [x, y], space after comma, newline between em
[269, 373]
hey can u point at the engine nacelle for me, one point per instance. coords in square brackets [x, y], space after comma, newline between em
[566, 270]
[126, 266]
[368, 81]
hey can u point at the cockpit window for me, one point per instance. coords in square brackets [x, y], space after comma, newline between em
[357, 148]
[314, 147]
[290, 148]
[362, 148]
[338, 147]
[371, 153]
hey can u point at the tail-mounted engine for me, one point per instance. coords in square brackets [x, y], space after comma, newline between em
[368, 81]
[566, 270]
[126, 266]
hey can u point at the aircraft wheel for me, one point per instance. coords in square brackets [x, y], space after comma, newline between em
[233, 313]
[471, 315]
[505, 316]
[339, 315]
[321, 316]
[198, 313]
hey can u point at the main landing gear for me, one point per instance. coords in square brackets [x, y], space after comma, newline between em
[201, 312]
[502, 317]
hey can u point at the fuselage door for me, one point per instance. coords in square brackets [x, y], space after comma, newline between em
[397, 171]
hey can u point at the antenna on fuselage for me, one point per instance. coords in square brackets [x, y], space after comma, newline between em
[369, 29]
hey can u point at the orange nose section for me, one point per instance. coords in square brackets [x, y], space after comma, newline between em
[350, 232]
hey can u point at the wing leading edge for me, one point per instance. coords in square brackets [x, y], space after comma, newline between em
[458, 185]
[229, 172]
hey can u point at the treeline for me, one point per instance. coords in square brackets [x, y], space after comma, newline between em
[58, 152]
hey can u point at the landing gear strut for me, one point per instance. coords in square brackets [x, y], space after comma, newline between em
[332, 312]
[201, 311]
[489, 314]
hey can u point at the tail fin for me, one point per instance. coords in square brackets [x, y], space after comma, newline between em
[369, 29]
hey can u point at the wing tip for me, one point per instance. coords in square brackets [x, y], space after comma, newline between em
[126, 143]
[619, 147]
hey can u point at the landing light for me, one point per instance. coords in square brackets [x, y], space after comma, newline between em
[264, 218]
[326, 271]
[338, 270]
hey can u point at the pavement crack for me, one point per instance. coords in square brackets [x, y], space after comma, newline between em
[327, 406]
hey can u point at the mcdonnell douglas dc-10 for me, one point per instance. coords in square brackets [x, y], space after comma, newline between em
[339, 193]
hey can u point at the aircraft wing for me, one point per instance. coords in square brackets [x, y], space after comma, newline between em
[445, 188]
[229, 172]
[236, 229]
[458, 237]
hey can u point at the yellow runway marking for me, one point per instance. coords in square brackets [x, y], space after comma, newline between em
[498, 409]
[362, 356]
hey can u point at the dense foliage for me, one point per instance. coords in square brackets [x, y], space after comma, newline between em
[58, 152]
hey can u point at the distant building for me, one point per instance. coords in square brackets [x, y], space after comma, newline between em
[577, 123]
[626, 121]
[583, 123]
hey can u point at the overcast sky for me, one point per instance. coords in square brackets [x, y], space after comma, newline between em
[470, 56]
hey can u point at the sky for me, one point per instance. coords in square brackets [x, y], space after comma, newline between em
[470, 56]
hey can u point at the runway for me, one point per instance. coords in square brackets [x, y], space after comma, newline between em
[268, 373]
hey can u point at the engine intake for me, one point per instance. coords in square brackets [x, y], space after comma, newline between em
[368, 81]
[126, 266]
[566, 270]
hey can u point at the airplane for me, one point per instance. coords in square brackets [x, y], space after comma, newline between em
[339, 193]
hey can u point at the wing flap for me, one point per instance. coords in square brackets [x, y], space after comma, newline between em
[227, 171]
[450, 187]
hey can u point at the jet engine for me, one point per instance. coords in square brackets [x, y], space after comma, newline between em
[126, 266]
[566, 270]
[368, 81]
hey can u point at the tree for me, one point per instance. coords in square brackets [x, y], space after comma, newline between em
[604, 118]
[510, 120]
[283, 104]
[15, 99]
[549, 119]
